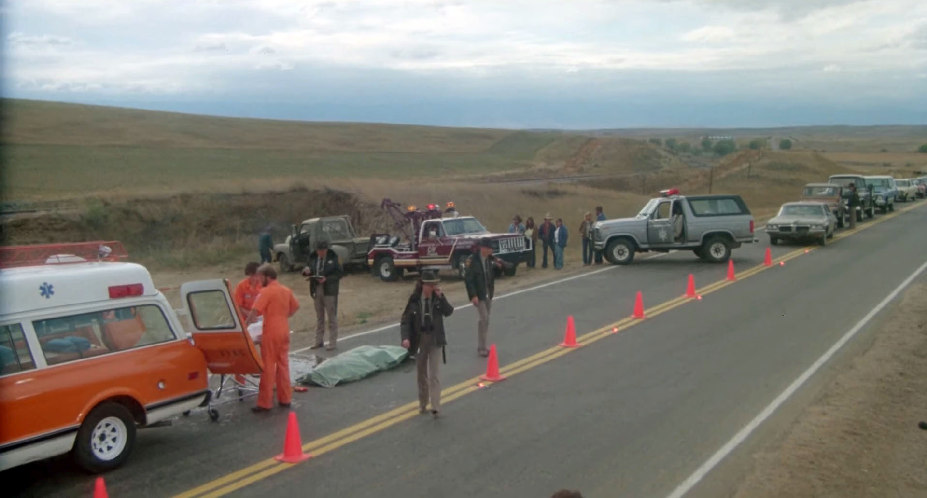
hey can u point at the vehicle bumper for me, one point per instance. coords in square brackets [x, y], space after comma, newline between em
[797, 233]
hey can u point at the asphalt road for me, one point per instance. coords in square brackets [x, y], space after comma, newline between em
[628, 414]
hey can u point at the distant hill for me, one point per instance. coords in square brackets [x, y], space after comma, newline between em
[58, 150]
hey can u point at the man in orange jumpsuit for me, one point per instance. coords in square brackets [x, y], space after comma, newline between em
[247, 290]
[276, 304]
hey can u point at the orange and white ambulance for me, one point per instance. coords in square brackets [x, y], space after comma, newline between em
[90, 350]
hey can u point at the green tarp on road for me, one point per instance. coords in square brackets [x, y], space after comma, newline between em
[354, 365]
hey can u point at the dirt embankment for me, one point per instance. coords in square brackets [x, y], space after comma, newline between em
[185, 229]
[861, 436]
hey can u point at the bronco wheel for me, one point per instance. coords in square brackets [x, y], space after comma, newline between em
[510, 271]
[105, 439]
[460, 265]
[716, 250]
[620, 252]
[284, 263]
[386, 269]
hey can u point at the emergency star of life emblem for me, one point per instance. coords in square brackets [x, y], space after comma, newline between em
[46, 290]
[663, 234]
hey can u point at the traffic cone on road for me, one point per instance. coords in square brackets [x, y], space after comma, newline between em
[99, 489]
[690, 289]
[292, 445]
[569, 338]
[730, 270]
[638, 306]
[492, 367]
[767, 261]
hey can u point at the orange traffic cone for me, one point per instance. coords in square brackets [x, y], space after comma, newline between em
[730, 270]
[638, 306]
[767, 261]
[99, 489]
[492, 367]
[690, 289]
[292, 445]
[569, 338]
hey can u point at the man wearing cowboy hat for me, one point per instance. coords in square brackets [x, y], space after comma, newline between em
[481, 286]
[546, 235]
[423, 324]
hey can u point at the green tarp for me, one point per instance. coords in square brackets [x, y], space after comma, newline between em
[354, 365]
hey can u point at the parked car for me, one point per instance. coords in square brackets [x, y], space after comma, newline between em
[802, 221]
[907, 190]
[830, 194]
[294, 252]
[884, 192]
[710, 225]
[866, 205]
[921, 184]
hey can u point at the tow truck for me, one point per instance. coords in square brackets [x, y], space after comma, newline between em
[436, 240]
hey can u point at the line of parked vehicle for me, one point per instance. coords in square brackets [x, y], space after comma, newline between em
[824, 207]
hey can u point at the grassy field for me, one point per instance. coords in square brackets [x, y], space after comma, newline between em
[185, 190]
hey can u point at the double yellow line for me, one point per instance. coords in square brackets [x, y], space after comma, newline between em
[266, 468]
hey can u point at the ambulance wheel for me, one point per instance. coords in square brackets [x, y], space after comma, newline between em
[213, 414]
[105, 439]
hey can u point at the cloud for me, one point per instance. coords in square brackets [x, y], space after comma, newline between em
[18, 40]
[709, 34]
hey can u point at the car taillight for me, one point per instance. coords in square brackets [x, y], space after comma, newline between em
[751, 226]
[128, 290]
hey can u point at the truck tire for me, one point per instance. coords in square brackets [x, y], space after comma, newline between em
[840, 222]
[619, 251]
[859, 215]
[105, 439]
[284, 263]
[697, 251]
[510, 272]
[823, 240]
[870, 212]
[386, 269]
[891, 207]
[460, 265]
[773, 240]
[716, 250]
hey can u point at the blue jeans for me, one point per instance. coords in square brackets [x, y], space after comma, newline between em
[558, 256]
[587, 251]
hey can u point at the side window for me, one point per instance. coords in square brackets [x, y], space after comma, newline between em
[433, 230]
[14, 352]
[304, 229]
[210, 310]
[715, 206]
[663, 211]
[86, 335]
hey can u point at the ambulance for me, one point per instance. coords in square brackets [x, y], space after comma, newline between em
[91, 350]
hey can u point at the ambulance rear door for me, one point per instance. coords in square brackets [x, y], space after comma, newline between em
[217, 328]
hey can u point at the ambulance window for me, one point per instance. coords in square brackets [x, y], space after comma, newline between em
[210, 311]
[14, 352]
[86, 335]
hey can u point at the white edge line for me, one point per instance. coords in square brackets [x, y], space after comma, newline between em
[745, 432]
[503, 296]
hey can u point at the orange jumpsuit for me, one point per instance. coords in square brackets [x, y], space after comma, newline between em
[245, 295]
[276, 304]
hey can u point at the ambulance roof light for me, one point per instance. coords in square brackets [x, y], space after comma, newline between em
[128, 290]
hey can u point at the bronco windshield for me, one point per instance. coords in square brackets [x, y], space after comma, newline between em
[801, 210]
[461, 226]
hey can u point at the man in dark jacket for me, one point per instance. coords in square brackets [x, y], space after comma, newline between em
[324, 272]
[546, 236]
[423, 323]
[481, 285]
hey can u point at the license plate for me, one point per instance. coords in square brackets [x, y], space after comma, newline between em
[511, 244]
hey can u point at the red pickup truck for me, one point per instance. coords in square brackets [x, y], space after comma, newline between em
[438, 241]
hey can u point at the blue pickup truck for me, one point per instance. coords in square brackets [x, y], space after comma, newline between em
[884, 192]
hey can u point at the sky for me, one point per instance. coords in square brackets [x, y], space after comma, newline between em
[577, 64]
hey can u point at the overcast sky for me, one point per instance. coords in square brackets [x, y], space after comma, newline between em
[499, 63]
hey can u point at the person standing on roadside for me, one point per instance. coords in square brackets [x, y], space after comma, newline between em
[422, 324]
[546, 234]
[481, 285]
[265, 245]
[531, 233]
[585, 231]
[324, 272]
[853, 204]
[599, 216]
[559, 242]
[517, 226]
[277, 305]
